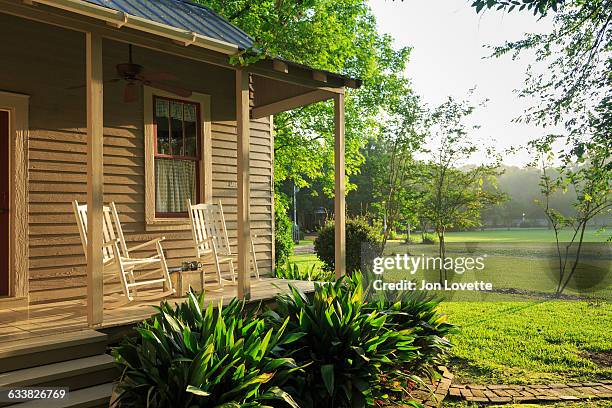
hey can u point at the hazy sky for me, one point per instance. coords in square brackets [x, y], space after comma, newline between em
[447, 37]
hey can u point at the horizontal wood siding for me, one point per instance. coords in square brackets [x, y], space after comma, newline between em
[43, 61]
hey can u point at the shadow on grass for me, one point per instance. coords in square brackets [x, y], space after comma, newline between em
[463, 369]
[508, 311]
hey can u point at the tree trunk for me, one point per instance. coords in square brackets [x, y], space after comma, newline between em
[441, 254]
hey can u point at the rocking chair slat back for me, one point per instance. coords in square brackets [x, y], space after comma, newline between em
[210, 236]
[116, 259]
[216, 228]
[111, 229]
[198, 230]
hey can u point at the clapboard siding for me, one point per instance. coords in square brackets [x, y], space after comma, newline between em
[58, 152]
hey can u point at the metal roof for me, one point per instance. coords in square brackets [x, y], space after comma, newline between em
[184, 15]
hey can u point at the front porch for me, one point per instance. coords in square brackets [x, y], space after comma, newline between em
[21, 323]
[82, 134]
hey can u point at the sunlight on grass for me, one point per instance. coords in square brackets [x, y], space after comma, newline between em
[527, 342]
[511, 338]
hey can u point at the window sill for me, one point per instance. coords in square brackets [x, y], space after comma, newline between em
[168, 224]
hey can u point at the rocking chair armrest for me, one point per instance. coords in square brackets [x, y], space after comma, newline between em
[147, 244]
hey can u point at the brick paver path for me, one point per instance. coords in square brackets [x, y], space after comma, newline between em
[500, 393]
[531, 393]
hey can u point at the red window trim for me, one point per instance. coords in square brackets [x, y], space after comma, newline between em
[196, 158]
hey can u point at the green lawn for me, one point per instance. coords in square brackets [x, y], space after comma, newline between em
[520, 235]
[519, 336]
[305, 260]
[528, 268]
[530, 342]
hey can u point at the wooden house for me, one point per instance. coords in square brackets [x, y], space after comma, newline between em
[122, 101]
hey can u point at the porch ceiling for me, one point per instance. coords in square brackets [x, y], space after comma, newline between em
[279, 84]
[192, 27]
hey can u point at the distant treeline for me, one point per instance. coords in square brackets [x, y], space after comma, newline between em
[521, 184]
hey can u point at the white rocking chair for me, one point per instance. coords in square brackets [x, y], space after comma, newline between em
[211, 241]
[117, 262]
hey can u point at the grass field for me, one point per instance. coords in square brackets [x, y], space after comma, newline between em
[522, 336]
[521, 235]
[530, 342]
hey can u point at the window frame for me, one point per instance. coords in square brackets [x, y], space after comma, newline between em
[204, 156]
[197, 158]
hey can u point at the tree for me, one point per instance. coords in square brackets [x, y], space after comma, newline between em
[331, 35]
[574, 88]
[453, 192]
[587, 174]
[393, 168]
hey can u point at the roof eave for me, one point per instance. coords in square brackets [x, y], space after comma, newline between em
[285, 66]
[120, 19]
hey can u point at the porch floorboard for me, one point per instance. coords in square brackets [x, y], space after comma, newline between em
[69, 316]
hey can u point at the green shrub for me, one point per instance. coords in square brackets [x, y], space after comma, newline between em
[283, 238]
[429, 239]
[348, 353]
[195, 357]
[294, 272]
[420, 313]
[358, 233]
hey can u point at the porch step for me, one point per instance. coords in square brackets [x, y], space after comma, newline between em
[42, 350]
[91, 397]
[74, 374]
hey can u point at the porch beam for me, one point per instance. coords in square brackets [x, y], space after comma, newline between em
[340, 188]
[95, 178]
[145, 40]
[290, 103]
[244, 224]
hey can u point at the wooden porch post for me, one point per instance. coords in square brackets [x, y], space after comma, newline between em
[244, 224]
[339, 196]
[95, 178]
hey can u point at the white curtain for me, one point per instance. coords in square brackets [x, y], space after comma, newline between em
[175, 182]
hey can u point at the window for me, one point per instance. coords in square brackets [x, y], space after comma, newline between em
[178, 157]
[177, 131]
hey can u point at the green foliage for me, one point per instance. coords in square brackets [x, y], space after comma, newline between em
[454, 193]
[420, 313]
[540, 7]
[588, 176]
[575, 90]
[345, 349]
[391, 166]
[283, 237]
[190, 356]
[359, 235]
[312, 273]
[338, 36]
[570, 81]
[428, 239]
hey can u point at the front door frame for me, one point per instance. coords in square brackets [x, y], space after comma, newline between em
[18, 107]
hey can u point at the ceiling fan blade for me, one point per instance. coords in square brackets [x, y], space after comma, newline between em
[130, 94]
[177, 90]
[157, 76]
[109, 81]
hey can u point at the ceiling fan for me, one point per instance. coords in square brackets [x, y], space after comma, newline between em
[135, 74]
